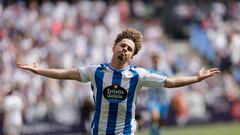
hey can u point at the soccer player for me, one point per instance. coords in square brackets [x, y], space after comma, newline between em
[116, 84]
[158, 103]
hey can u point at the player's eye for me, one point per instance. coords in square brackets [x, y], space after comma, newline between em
[130, 49]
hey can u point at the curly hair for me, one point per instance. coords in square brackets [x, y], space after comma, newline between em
[133, 35]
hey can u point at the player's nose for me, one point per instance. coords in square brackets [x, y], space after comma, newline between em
[124, 49]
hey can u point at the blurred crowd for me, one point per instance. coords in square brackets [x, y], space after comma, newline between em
[70, 34]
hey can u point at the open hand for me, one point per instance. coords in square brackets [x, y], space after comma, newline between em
[203, 74]
[30, 67]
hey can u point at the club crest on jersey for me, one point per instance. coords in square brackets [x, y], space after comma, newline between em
[115, 93]
[127, 74]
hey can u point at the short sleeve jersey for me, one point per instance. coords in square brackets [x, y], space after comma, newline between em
[115, 95]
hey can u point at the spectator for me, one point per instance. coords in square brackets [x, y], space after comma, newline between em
[13, 113]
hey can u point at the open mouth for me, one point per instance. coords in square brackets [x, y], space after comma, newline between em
[121, 56]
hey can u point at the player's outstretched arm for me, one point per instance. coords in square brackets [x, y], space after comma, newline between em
[71, 74]
[172, 82]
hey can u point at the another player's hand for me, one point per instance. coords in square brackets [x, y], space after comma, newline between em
[203, 74]
[30, 67]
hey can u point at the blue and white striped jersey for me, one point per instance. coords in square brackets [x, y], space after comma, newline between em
[115, 94]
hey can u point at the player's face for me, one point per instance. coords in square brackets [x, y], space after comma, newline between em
[124, 49]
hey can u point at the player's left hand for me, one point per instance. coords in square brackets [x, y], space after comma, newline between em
[203, 74]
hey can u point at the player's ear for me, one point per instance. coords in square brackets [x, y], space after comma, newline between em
[113, 48]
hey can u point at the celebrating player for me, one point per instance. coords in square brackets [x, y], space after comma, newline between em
[116, 84]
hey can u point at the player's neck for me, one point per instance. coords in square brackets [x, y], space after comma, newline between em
[118, 65]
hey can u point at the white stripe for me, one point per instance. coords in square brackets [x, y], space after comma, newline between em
[93, 83]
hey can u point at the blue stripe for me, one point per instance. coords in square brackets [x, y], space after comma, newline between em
[104, 65]
[113, 107]
[131, 94]
[99, 83]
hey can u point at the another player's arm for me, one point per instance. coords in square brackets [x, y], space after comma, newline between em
[70, 74]
[173, 82]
